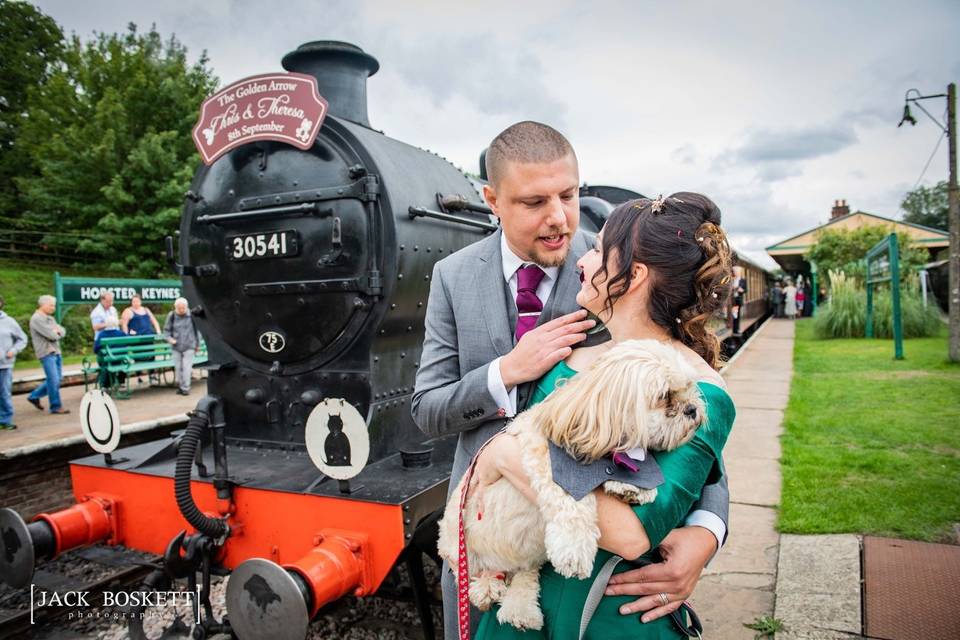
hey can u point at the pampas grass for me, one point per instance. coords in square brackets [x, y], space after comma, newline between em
[845, 314]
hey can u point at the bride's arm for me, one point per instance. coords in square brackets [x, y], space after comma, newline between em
[621, 532]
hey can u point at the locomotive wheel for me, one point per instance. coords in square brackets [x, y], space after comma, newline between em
[18, 556]
[265, 601]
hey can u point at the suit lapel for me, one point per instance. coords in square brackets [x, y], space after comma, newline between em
[491, 286]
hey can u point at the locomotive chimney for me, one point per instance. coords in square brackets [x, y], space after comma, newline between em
[341, 70]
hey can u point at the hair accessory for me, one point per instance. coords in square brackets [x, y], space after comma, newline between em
[714, 294]
[700, 239]
[679, 233]
[725, 280]
[678, 320]
[657, 205]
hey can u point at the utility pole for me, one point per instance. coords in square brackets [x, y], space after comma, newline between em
[953, 199]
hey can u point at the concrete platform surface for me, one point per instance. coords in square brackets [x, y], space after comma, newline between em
[739, 584]
[818, 587]
[148, 406]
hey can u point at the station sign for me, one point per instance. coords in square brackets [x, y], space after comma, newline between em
[72, 291]
[284, 107]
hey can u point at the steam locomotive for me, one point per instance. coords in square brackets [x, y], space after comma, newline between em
[309, 270]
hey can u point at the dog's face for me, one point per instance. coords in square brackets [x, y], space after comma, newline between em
[641, 393]
[675, 409]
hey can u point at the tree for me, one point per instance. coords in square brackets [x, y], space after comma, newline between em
[843, 250]
[927, 206]
[109, 133]
[30, 45]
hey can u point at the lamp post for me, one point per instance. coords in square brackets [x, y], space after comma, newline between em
[953, 200]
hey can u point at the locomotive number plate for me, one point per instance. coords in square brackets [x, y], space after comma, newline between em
[257, 246]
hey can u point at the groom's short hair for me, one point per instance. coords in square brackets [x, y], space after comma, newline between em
[527, 142]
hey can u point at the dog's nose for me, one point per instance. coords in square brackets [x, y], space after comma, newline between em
[691, 411]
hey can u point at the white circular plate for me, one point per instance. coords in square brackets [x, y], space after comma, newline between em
[337, 439]
[100, 421]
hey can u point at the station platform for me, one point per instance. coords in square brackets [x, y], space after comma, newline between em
[149, 407]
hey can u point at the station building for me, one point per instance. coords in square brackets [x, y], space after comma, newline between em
[791, 253]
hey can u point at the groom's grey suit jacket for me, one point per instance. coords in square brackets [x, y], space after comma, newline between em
[469, 323]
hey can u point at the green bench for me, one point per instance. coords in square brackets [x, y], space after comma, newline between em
[122, 356]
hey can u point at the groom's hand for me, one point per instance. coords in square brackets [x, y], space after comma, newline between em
[542, 347]
[685, 552]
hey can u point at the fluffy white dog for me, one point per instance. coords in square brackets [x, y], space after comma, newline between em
[641, 393]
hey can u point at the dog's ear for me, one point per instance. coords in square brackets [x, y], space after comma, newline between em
[605, 407]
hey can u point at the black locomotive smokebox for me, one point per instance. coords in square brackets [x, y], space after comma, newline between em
[341, 70]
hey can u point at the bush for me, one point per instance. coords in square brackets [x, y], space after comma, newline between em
[845, 314]
[79, 338]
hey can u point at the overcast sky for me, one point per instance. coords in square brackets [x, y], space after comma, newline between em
[774, 109]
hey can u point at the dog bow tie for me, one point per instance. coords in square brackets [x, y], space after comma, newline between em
[622, 459]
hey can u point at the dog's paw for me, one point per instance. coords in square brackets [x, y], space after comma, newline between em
[571, 550]
[629, 493]
[520, 612]
[486, 589]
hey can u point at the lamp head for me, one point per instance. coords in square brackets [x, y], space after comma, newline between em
[907, 117]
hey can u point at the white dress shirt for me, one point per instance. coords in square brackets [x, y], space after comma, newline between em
[507, 400]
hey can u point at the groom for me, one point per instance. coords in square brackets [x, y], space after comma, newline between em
[501, 313]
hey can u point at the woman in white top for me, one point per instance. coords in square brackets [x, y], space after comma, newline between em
[790, 301]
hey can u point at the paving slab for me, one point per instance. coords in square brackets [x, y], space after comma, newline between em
[750, 556]
[818, 586]
[753, 480]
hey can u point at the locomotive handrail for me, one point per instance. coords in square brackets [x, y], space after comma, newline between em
[291, 209]
[457, 202]
[420, 212]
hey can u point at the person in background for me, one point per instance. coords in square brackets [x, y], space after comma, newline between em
[46, 334]
[137, 320]
[801, 298]
[790, 301]
[777, 300]
[12, 341]
[181, 332]
[100, 313]
[111, 330]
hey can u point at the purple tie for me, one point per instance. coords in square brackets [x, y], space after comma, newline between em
[528, 304]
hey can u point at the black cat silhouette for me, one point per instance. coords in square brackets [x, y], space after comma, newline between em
[337, 444]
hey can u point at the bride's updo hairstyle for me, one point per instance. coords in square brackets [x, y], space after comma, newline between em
[680, 241]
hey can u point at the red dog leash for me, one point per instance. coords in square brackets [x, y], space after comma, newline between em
[463, 570]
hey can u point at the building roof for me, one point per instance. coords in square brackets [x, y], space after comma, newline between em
[927, 236]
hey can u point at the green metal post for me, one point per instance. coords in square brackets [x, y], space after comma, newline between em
[58, 294]
[895, 295]
[868, 331]
[815, 294]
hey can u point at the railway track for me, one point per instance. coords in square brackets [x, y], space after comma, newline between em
[96, 570]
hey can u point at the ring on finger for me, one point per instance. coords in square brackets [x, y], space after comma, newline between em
[663, 598]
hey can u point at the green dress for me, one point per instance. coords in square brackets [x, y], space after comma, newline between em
[686, 470]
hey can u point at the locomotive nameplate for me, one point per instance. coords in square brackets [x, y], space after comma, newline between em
[286, 107]
[337, 439]
[260, 246]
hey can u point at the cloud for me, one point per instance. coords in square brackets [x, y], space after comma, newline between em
[685, 154]
[798, 144]
[495, 78]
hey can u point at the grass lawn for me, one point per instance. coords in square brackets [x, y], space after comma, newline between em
[871, 444]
